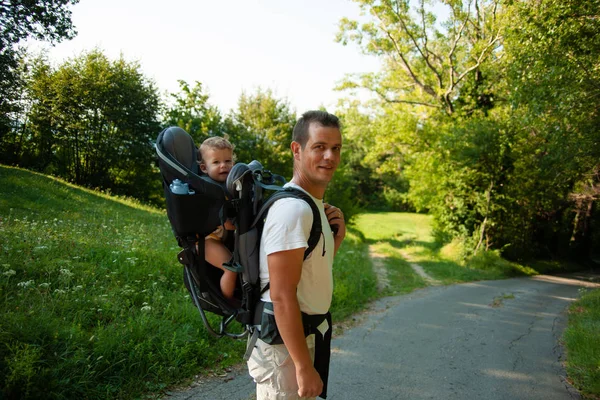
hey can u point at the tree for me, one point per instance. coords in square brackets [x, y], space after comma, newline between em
[191, 111]
[48, 20]
[261, 129]
[553, 71]
[93, 122]
[425, 64]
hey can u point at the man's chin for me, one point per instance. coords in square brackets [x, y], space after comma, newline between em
[326, 175]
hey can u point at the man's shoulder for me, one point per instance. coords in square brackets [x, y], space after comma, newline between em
[291, 205]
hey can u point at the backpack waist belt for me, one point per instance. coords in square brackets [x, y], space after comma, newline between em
[265, 328]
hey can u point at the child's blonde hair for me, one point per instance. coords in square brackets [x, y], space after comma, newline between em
[214, 142]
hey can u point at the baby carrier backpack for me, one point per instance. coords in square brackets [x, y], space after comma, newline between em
[197, 205]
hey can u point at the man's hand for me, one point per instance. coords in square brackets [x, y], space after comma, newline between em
[335, 216]
[309, 382]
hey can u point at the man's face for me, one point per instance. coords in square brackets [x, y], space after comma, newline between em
[321, 155]
[217, 163]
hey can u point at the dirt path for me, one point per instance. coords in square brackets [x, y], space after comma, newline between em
[378, 262]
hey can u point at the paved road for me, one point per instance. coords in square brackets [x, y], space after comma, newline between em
[482, 340]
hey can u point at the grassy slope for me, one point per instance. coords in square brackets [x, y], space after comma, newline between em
[93, 301]
[92, 297]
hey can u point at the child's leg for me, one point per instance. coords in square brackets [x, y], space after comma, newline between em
[217, 254]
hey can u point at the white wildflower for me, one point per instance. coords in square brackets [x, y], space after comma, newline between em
[146, 308]
[66, 272]
[10, 272]
[59, 291]
[25, 284]
[44, 285]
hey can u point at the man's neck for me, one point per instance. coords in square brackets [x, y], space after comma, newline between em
[317, 192]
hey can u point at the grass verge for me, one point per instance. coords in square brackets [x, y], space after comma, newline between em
[582, 342]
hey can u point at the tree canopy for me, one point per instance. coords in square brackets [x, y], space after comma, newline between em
[488, 116]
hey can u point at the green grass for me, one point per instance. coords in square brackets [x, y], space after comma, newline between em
[405, 238]
[92, 298]
[355, 283]
[583, 345]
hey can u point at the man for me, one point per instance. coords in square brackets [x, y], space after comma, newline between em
[300, 288]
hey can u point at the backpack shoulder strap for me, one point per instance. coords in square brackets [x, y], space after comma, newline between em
[315, 230]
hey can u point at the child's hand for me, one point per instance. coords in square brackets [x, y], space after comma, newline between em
[229, 226]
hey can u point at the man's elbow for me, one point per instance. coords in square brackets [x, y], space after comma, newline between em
[283, 297]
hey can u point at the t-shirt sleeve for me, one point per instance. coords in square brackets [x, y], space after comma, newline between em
[287, 226]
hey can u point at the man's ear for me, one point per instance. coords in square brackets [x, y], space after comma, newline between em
[296, 147]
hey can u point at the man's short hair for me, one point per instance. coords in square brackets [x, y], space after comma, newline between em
[323, 118]
[215, 143]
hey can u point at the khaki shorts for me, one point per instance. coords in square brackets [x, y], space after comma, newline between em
[274, 372]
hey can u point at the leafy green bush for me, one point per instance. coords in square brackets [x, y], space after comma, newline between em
[492, 260]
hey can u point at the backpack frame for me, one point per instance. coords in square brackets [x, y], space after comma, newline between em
[245, 198]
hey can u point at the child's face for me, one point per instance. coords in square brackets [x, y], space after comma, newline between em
[217, 163]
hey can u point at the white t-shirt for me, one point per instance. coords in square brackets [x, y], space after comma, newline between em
[287, 227]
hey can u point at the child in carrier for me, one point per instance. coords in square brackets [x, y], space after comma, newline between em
[216, 160]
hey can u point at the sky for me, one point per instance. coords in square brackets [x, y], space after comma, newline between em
[230, 46]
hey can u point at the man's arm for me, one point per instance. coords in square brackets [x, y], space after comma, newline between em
[285, 269]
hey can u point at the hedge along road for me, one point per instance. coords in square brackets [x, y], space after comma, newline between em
[479, 340]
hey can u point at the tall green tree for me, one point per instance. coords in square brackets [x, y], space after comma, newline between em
[553, 72]
[261, 129]
[47, 20]
[426, 62]
[191, 111]
[93, 121]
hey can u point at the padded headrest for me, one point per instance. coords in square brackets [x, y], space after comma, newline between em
[179, 144]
